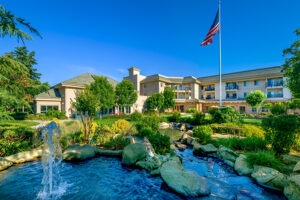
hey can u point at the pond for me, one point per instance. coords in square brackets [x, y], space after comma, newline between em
[106, 178]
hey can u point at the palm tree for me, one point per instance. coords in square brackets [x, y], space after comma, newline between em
[9, 26]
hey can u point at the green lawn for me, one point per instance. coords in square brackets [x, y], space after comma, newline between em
[254, 121]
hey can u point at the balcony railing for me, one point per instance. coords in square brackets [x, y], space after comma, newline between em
[275, 95]
[209, 89]
[275, 84]
[231, 87]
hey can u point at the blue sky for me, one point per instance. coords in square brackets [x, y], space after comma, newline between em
[106, 37]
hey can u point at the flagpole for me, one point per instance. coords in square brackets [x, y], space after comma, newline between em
[220, 56]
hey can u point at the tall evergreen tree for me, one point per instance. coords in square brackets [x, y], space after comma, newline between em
[9, 26]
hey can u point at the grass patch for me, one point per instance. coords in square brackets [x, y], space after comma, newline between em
[264, 158]
[242, 144]
[253, 121]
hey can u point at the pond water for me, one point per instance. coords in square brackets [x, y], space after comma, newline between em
[105, 178]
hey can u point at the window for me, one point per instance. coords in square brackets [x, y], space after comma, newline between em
[264, 109]
[246, 83]
[45, 108]
[242, 109]
[245, 94]
[254, 109]
[256, 82]
[145, 86]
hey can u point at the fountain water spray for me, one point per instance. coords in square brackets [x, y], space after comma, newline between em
[51, 160]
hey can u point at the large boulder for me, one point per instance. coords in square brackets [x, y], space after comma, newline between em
[241, 166]
[292, 189]
[164, 125]
[205, 150]
[4, 164]
[269, 177]
[296, 169]
[186, 183]
[150, 164]
[25, 156]
[78, 152]
[133, 153]
[227, 155]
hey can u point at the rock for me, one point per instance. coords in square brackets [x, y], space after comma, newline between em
[227, 154]
[296, 169]
[164, 125]
[269, 177]
[241, 166]
[183, 138]
[292, 189]
[150, 164]
[182, 127]
[78, 152]
[107, 152]
[180, 146]
[4, 164]
[25, 156]
[190, 140]
[130, 140]
[133, 153]
[155, 172]
[186, 183]
[189, 132]
[188, 126]
[204, 150]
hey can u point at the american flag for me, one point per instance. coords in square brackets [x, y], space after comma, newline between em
[215, 27]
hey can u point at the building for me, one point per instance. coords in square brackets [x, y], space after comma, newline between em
[203, 93]
[190, 92]
[61, 95]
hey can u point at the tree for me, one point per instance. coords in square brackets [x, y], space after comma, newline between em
[255, 99]
[9, 26]
[169, 96]
[104, 92]
[155, 102]
[87, 104]
[291, 67]
[125, 93]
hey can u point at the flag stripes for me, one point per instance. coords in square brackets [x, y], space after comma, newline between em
[212, 31]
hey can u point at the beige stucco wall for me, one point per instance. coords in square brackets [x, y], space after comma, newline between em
[69, 96]
[149, 88]
[47, 102]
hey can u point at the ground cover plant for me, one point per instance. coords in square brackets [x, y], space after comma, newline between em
[16, 136]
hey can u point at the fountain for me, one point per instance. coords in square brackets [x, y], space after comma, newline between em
[51, 161]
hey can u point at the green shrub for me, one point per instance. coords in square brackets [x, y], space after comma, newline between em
[19, 115]
[160, 143]
[56, 114]
[199, 118]
[281, 132]
[6, 117]
[264, 158]
[191, 110]
[136, 116]
[102, 135]
[242, 144]
[150, 122]
[203, 134]
[175, 117]
[146, 132]
[278, 109]
[120, 126]
[116, 143]
[252, 131]
[225, 115]
[226, 128]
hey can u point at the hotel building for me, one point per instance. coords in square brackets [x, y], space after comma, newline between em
[190, 92]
